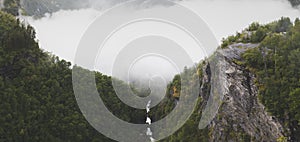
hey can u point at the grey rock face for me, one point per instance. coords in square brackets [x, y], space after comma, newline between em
[1, 4]
[241, 116]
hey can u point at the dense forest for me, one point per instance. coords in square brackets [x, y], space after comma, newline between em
[37, 99]
[276, 64]
[38, 103]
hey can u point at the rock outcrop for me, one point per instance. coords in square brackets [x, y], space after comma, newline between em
[241, 117]
[1, 4]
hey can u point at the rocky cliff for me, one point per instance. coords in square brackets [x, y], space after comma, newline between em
[241, 117]
[1, 4]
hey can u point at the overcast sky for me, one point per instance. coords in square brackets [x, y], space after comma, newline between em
[61, 32]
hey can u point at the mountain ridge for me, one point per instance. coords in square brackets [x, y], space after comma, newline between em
[39, 8]
[39, 103]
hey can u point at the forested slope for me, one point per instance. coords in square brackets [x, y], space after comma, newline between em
[276, 63]
[38, 104]
[263, 81]
[36, 92]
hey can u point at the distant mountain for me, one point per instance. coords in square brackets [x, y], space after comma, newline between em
[295, 3]
[38, 8]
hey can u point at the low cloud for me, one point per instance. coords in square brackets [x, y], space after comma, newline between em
[60, 33]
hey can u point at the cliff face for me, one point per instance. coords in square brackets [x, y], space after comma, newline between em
[241, 117]
[1, 4]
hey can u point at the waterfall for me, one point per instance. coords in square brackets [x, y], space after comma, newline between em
[148, 121]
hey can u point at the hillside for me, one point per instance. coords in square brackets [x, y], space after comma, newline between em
[258, 69]
[37, 99]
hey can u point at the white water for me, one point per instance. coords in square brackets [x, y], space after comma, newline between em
[148, 106]
[149, 132]
[148, 121]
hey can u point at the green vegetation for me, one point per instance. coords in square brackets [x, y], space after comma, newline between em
[256, 33]
[12, 6]
[277, 67]
[37, 100]
[38, 104]
[282, 139]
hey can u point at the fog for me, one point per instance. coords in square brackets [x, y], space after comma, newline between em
[60, 32]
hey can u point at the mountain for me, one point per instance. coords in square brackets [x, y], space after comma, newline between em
[37, 98]
[38, 8]
[295, 2]
[257, 71]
